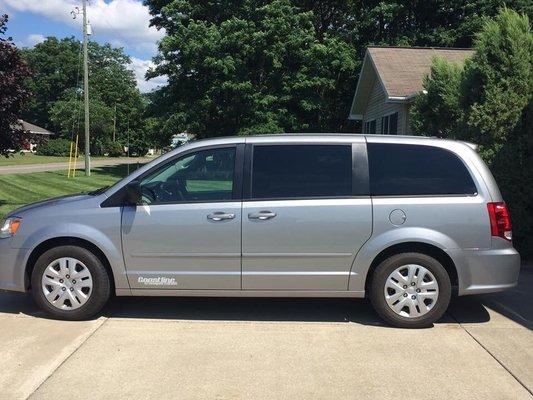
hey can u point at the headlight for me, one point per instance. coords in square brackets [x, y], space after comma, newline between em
[10, 227]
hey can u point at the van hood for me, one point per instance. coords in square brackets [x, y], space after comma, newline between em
[48, 202]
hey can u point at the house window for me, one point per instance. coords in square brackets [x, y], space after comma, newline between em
[389, 124]
[370, 127]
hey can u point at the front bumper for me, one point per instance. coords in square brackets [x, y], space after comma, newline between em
[488, 271]
[12, 267]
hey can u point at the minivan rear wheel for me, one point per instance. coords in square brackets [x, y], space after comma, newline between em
[410, 290]
[70, 282]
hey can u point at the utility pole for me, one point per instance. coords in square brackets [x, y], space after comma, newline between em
[86, 91]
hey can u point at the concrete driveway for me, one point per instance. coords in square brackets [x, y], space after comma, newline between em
[175, 348]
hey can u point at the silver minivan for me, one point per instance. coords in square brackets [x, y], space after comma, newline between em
[405, 221]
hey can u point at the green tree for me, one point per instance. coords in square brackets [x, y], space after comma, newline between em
[255, 66]
[426, 23]
[498, 81]
[497, 92]
[67, 116]
[115, 101]
[56, 68]
[437, 109]
[13, 93]
[489, 102]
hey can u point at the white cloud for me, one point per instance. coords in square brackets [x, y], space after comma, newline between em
[140, 67]
[126, 21]
[33, 39]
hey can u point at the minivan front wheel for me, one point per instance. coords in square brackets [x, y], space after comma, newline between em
[70, 282]
[410, 290]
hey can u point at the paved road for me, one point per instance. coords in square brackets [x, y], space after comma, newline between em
[268, 349]
[25, 169]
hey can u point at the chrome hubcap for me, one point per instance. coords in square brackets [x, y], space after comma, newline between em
[67, 283]
[411, 291]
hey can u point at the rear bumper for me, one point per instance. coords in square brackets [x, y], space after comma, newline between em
[488, 271]
[12, 275]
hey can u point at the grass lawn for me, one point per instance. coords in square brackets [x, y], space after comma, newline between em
[19, 189]
[30, 158]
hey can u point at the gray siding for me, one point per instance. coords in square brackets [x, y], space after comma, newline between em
[377, 108]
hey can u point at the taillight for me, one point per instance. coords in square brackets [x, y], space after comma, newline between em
[500, 221]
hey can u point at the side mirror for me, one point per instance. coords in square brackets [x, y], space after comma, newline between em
[132, 194]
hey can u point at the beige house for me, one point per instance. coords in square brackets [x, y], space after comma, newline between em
[390, 78]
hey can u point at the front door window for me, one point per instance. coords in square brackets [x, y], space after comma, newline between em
[206, 175]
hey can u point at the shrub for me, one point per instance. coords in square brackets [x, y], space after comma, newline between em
[99, 146]
[490, 102]
[54, 147]
[114, 149]
[138, 150]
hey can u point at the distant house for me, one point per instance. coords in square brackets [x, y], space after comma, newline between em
[39, 133]
[390, 79]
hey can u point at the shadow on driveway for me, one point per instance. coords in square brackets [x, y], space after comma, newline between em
[516, 304]
[232, 309]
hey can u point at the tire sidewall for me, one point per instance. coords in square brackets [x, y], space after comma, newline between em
[101, 284]
[381, 274]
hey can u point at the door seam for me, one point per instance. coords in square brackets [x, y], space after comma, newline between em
[242, 222]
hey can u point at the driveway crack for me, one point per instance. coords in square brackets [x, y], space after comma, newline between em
[68, 357]
[492, 355]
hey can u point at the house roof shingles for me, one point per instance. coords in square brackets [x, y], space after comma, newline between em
[33, 128]
[402, 69]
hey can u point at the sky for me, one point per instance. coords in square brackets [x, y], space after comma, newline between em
[123, 23]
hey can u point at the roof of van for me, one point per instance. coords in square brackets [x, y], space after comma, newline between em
[335, 137]
[315, 134]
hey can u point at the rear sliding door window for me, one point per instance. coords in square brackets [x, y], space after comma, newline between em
[301, 171]
[404, 170]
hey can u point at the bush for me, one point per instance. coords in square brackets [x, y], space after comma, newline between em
[114, 149]
[99, 146]
[490, 102]
[54, 147]
[138, 151]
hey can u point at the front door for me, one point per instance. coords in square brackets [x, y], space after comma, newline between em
[186, 234]
[306, 214]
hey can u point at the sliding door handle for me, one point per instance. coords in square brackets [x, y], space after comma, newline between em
[262, 215]
[220, 216]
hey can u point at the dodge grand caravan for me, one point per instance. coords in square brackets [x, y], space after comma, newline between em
[405, 221]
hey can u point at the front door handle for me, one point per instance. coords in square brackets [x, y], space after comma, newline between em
[220, 216]
[262, 215]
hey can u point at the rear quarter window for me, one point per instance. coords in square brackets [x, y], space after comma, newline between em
[413, 170]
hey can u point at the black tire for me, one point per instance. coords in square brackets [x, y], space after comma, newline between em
[100, 292]
[380, 276]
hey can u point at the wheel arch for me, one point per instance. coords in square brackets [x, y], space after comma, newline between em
[48, 244]
[415, 247]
